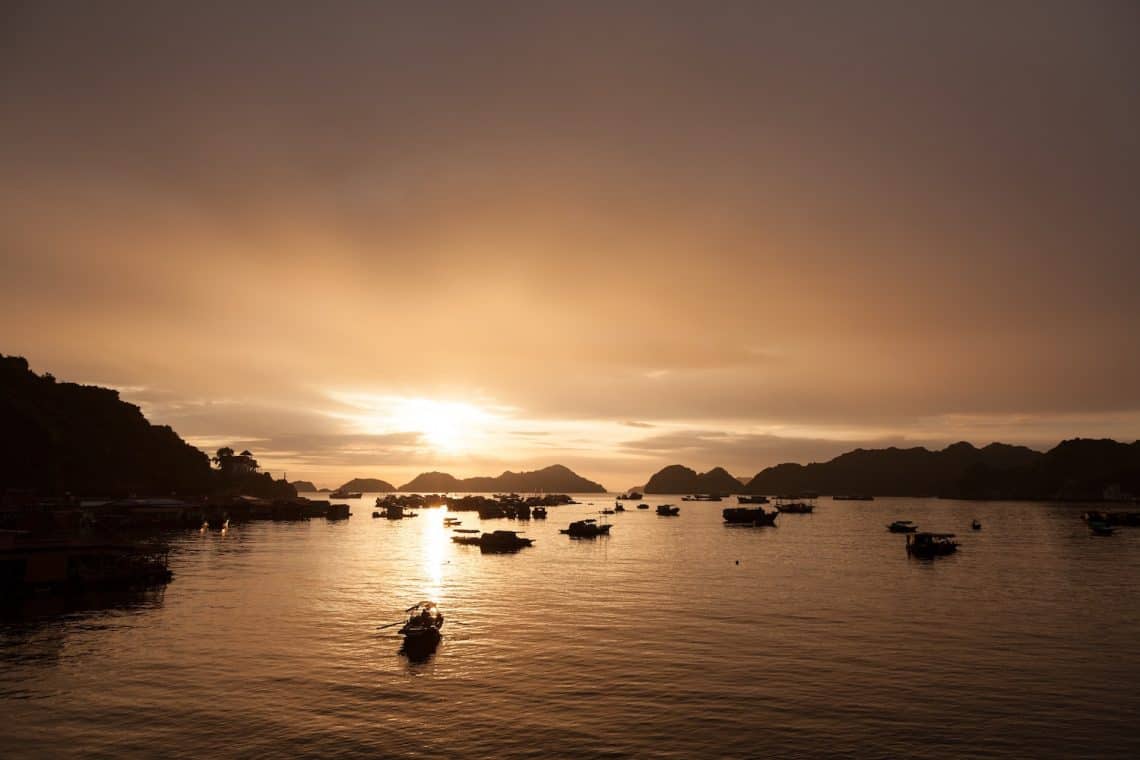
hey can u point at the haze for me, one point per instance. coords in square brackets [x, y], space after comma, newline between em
[370, 239]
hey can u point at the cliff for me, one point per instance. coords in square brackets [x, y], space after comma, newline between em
[679, 479]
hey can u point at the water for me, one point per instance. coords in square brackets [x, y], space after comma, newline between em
[824, 640]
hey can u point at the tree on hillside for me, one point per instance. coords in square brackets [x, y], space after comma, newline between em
[235, 464]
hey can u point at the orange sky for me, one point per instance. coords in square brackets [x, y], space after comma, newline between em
[374, 240]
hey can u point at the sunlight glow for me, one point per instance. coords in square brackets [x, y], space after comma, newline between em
[447, 427]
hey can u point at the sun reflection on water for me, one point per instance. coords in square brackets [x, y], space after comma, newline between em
[436, 547]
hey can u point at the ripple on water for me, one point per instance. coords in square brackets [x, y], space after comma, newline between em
[671, 638]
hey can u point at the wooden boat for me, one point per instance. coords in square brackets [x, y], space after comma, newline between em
[496, 542]
[928, 545]
[586, 529]
[902, 526]
[643, 506]
[538, 513]
[450, 522]
[345, 495]
[1101, 528]
[397, 512]
[976, 525]
[668, 510]
[423, 625]
[796, 508]
[745, 516]
[751, 499]
[631, 496]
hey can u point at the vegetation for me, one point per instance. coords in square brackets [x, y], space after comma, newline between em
[58, 438]
[368, 485]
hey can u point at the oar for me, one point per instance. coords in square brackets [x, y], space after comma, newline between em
[389, 625]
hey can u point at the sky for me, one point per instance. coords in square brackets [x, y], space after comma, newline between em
[369, 240]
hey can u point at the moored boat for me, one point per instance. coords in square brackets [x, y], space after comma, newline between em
[668, 510]
[755, 499]
[796, 508]
[586, 529]
[345, 495]
[631, 496]
[1101, 528]
[926, 545]
[502, 541]
[902, 526]
[746, 516]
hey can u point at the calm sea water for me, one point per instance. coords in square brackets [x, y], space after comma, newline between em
[674, 637]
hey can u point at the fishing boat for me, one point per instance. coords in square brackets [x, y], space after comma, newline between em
[586, 529]
[345, 495]
[751, 499]
[744, 516]
[631, 496]
[619, 508]
[1099, 528]
[451, 522]
[976, 525]
[799, 504]
[422, 627]
[902, 526]
[643, 506]
[796, 508]
[926, 545]
[397, 512]
[496, 542]
[538, 513]
[668, 510]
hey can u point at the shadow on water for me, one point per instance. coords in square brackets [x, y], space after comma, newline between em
[419, 652]
[37, 629]
[48, 609]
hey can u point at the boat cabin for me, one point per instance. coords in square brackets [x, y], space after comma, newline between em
[931, 544]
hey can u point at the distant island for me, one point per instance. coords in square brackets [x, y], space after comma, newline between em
[1078, 469]
[553, 479]
[679, 479]
[304, 486]
[58, 438]
[368, 485]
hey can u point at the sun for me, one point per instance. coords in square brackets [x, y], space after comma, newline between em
[449, 427]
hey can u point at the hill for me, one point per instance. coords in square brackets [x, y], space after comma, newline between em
[368, 485]
[679, 479]
[304, 486]
[553, 479]
[58, 438]
[1076, 469]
